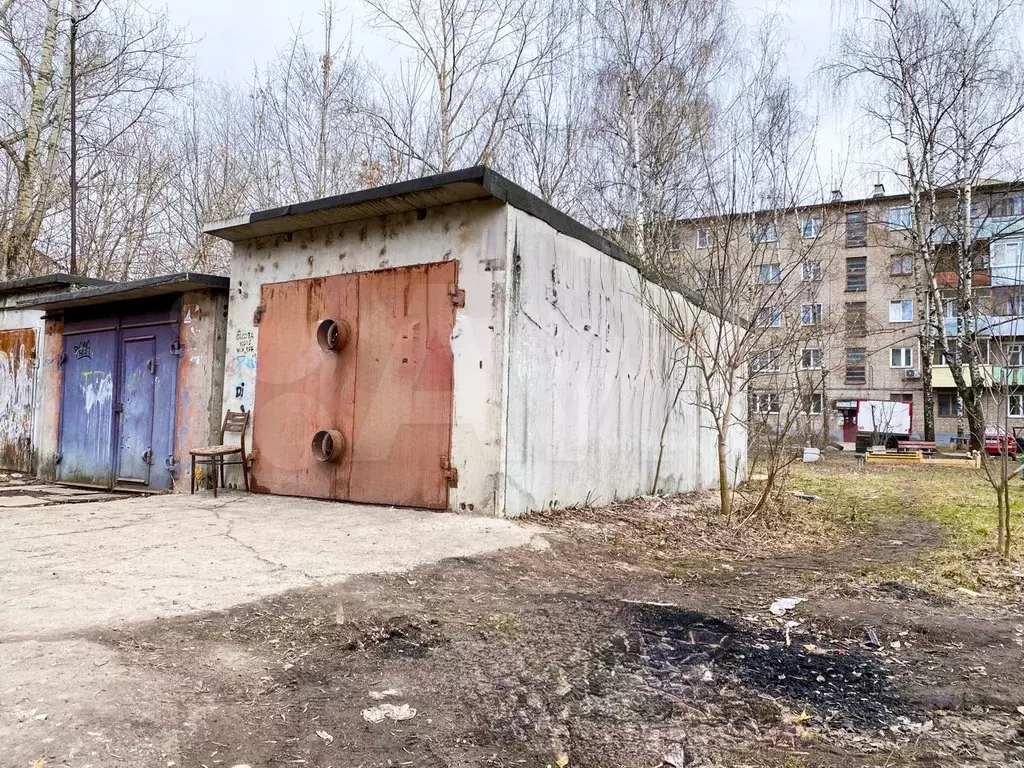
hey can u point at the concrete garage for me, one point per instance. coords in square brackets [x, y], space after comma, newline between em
[453, 343]
[131, 379]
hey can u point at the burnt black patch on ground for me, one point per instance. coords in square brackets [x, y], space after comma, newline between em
[846, 688]
[910, 592]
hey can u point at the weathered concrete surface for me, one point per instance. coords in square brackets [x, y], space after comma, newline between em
[66, 569]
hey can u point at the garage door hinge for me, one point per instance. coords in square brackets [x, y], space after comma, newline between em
[177, 349]
[457, 295]
[58, 458]
[451, 474]
[258, 314]
[171, 465]
[61, 359]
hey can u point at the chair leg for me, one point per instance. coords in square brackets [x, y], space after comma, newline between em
[213, 467]
[245, 472]
[222, 483]
[193, 478]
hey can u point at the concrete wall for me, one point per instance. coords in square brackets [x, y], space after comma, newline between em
[591, 382]
[203, 334]
[10, 319]
[471, 233]
[50, 379]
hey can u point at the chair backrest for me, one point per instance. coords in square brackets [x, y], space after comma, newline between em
[235, 421]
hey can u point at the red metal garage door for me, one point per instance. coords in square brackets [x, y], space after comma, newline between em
[385, 386]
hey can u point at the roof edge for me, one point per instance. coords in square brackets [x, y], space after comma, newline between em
[55, 279]
[113, 292]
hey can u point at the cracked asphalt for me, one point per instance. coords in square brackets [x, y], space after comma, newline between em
[67, 569]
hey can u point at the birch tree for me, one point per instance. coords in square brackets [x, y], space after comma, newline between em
[944, 78]
[464, 67]
[656, 66]
[130, 63]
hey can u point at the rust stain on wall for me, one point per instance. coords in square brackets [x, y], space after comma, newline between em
[17, 364]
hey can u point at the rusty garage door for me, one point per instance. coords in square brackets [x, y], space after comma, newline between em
[354, 387]
[17, 357]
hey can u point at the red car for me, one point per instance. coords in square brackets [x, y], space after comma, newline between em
[998, 441]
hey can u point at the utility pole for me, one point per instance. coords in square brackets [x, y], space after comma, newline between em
[73, 260]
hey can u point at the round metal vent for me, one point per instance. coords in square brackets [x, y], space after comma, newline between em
[328, 445]
[332, 335]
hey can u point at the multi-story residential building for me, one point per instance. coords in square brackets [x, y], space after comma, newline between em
[851, 286]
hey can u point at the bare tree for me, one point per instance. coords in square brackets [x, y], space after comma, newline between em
[751, 251]
[130, 63]
[943, 77]
[656, 65]
[454, 96]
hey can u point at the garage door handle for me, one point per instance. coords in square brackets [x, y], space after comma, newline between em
[148, 457]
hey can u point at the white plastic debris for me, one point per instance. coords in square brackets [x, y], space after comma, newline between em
[378, 695]
[388, 711]
[783, 604]
[325, 736]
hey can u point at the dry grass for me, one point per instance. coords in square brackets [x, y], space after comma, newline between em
[961, 501]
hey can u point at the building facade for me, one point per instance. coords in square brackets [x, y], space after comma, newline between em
[844, 273]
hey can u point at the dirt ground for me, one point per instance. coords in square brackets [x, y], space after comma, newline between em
[640, 636]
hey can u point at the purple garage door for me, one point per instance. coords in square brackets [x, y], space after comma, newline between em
[118, 401]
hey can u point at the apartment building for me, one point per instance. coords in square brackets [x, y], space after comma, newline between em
[847, 325]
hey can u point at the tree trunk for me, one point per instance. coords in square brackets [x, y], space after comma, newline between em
[928, 393]
[20, 236]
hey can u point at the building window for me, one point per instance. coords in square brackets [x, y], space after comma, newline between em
[902, 265]
[810, 359]
[810, 228]
[703, 238]
[1015, 406]
[901, 357]
[764, 232]
[811, 271]
[949, 308]
[901, 311]
[1011, 205]
[769, 317]
[856, 367]
[947, 403]
[769, 274]
[1007, 262]
[857, 318]
[1013, 305]
[856, 229]
[813, 403]
[764, 402]
[857, 274]
[901, 217]
[1013, 355]
[767, 361]
[901, 397]
[810, 314]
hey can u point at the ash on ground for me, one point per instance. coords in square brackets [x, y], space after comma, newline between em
[688, 653]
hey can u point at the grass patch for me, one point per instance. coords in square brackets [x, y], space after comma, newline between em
[961, 501]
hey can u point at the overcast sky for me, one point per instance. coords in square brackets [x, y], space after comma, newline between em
[235, 35]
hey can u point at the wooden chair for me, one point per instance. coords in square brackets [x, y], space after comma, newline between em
[213, 455]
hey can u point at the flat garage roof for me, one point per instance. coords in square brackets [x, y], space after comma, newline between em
[476, 183]
[136, 289]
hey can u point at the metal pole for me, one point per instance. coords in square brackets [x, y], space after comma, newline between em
[73, 260]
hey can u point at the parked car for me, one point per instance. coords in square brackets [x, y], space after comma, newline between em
[998, 441]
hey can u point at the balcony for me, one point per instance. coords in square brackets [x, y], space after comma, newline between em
[942, 376]
[982, 277]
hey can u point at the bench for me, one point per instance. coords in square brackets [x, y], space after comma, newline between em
[908, 457]
[927, 447]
